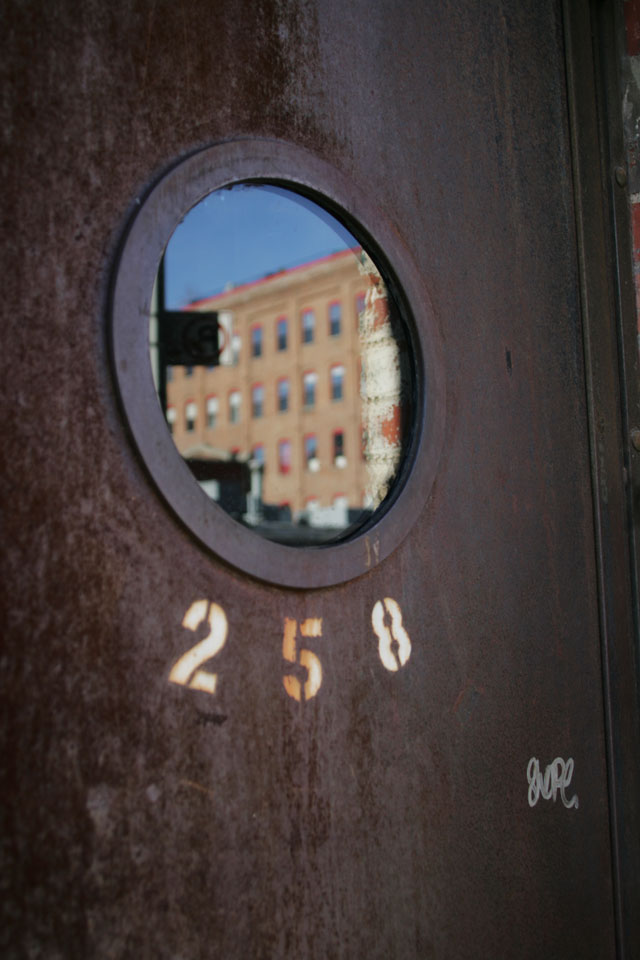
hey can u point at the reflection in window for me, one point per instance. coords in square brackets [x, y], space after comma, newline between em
[212, 412]
[284, 456]
[255, 300]
[171, 418]
[283, 394]
[281, 333]
[234, 406]
[335, 316]
[190, 414]
[188, 371]
[256, 341]
[309, 381]
[308, 326]
[337, 381]
[310, 450]
[257, 400]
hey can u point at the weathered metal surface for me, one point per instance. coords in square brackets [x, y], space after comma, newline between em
[389, 815]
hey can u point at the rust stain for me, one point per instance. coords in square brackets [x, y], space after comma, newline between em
[390, 428]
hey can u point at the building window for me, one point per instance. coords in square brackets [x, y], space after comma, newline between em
[283, 395]
[284, 456]
[310, 451]
[190, 414]
[169, 374]
[257, 454]
[309, 381]
[236, 345]
[338, 444]
[360, 301]
[337, 382]
[188, 371]
[234, 406]
[212, 412]
[281, 333]
[257, 400]
[171, 418]
[256, 341]
[308, 326]
[335, 318]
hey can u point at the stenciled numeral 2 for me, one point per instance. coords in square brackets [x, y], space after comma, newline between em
[185, 671]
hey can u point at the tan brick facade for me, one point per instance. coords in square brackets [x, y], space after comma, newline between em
[328, 365]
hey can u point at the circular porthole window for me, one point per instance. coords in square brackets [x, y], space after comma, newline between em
[276, 364]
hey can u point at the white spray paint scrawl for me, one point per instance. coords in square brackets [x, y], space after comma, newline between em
[556, 779]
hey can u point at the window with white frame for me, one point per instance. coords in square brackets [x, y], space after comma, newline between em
[257, 401]
[310, 449]
[190, 415]
[235, 400]
[308, 326]
[284, 456]
[309, 383]
[281, 333]
[171, 418]
[212, 412]
[337, 381]
[335, 319]
[256, 341]
[283, 394]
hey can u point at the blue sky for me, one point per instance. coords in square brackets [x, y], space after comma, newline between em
[243, 233]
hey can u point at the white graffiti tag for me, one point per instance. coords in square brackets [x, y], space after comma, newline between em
[556, 778]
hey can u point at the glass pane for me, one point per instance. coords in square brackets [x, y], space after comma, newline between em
[281, 364]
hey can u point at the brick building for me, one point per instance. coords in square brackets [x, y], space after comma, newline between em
[286, 394]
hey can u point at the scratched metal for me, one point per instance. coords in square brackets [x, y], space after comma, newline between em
[388, 816]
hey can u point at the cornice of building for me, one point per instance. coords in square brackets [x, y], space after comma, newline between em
[273, 282]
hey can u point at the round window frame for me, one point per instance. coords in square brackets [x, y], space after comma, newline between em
[155, 218]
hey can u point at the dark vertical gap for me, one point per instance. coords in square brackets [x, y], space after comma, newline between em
[595, 246]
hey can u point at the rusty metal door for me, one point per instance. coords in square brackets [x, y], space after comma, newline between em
[476, 799]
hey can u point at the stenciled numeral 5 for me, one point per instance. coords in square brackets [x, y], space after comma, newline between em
[311, 627]
[185, 671]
